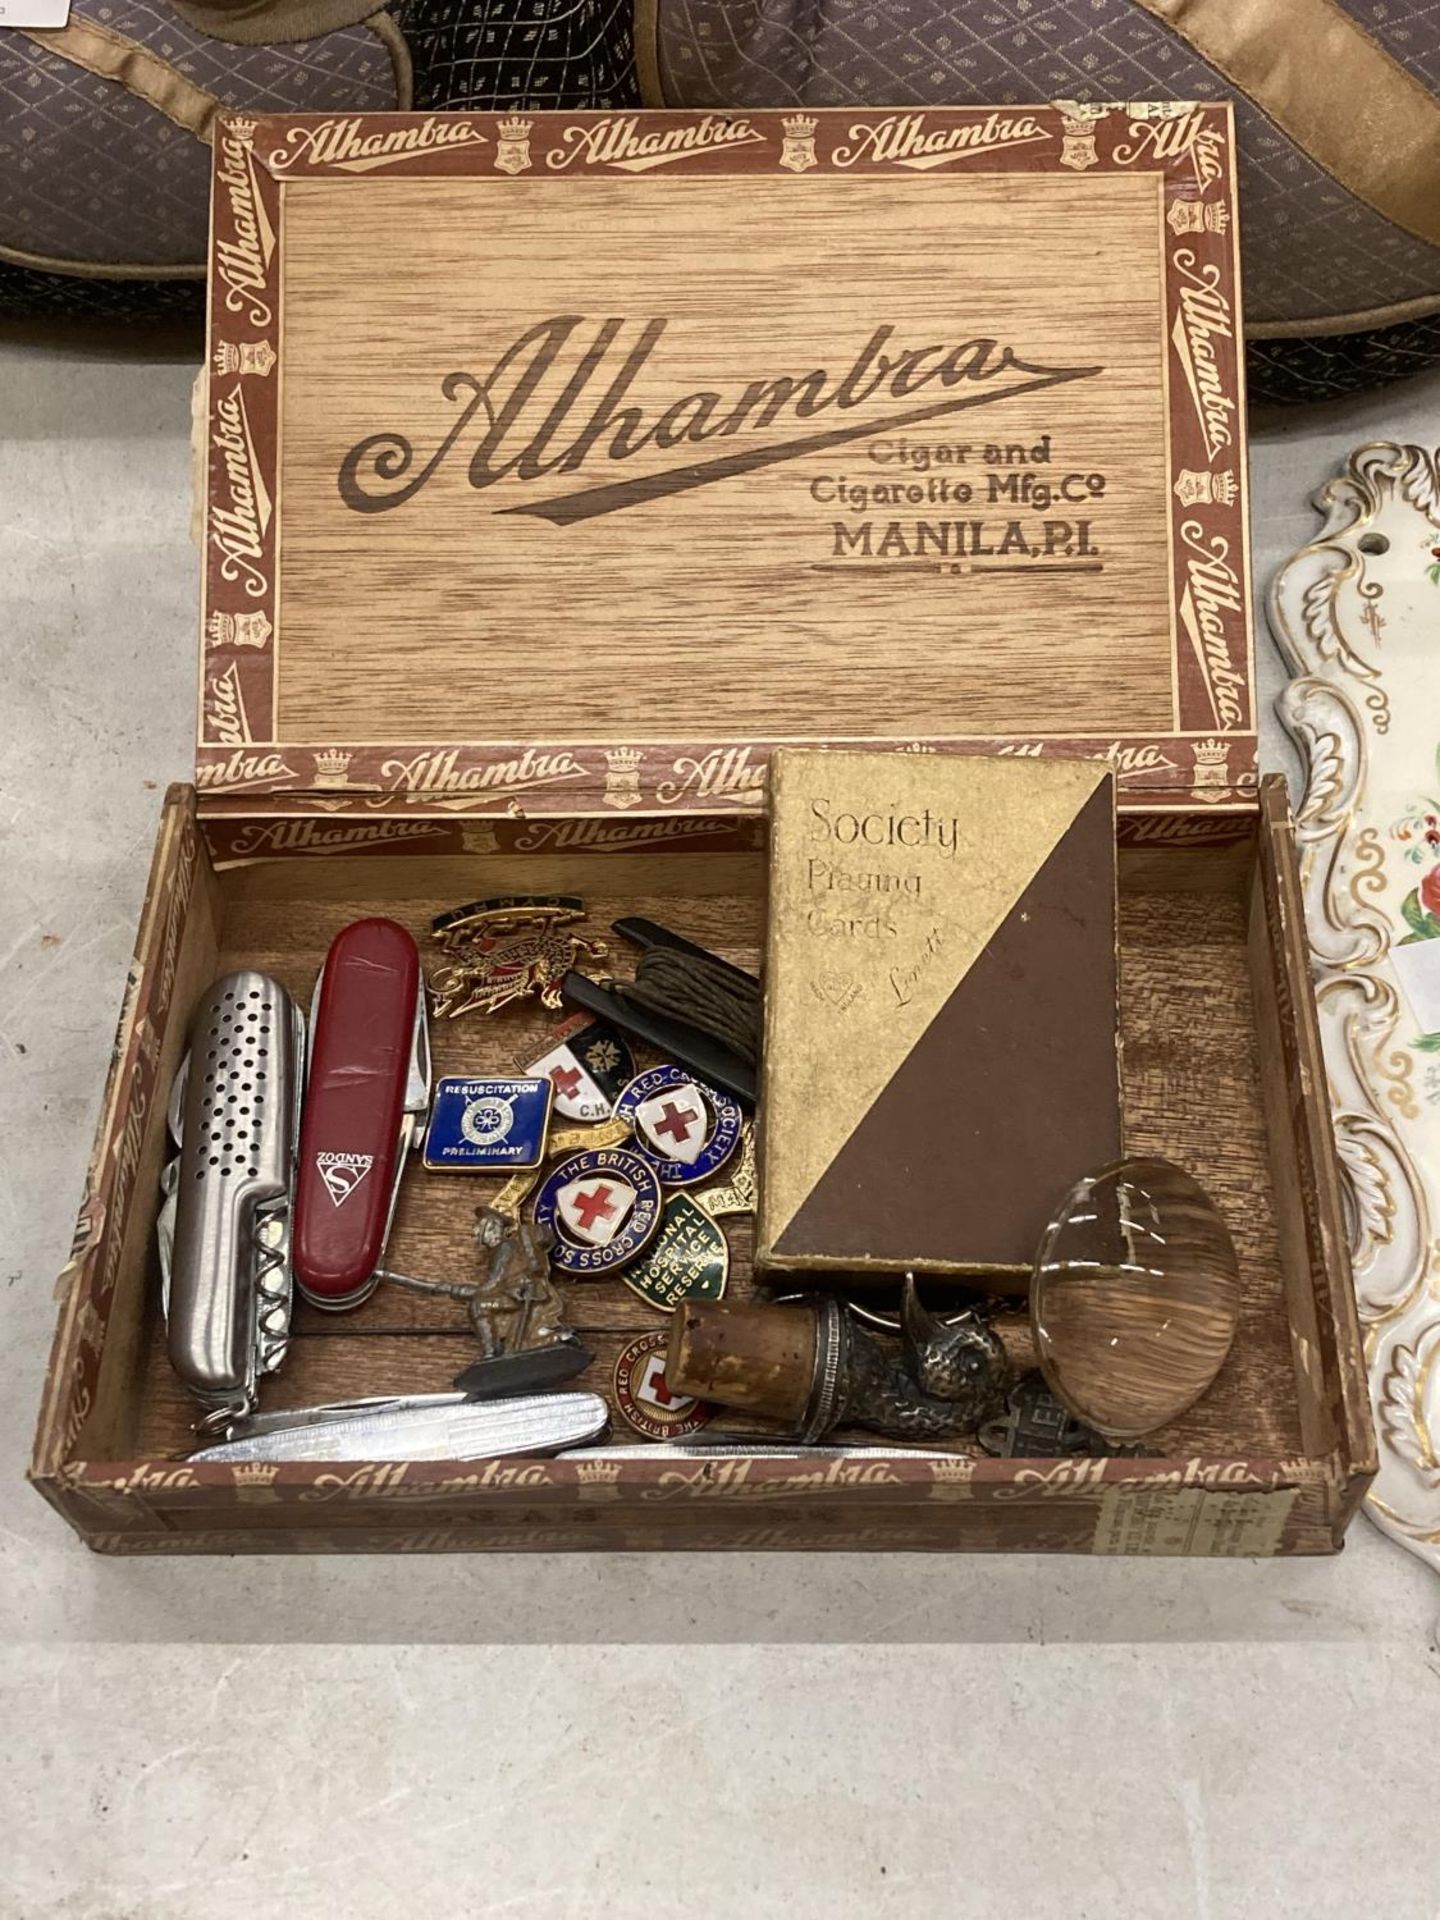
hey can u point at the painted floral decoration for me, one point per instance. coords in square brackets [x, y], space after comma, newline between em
[1418, 835]
[1421, 908]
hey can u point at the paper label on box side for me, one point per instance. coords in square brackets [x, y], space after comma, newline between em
[1192, 1521]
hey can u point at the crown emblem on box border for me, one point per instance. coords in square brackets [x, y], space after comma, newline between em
[238, 630]
[332, 766]
[1198, 216]
[599, 1476]
[512, 144]
[797, 154]
[255, 1480]
[244, 356]
[1202, 489]
[1078, 122]
[622, 777]
[1212, 765]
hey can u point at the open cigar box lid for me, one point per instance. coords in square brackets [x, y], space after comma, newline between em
[565, 463]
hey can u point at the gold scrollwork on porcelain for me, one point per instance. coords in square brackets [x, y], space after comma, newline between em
[1401, 1400]
[1387, 1209]
[1420, 483]
[1368, 736]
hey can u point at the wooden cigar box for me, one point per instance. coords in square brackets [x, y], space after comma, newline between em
[557, 468]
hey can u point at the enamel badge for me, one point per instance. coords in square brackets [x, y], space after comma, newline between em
[504, 949]
[488, 1125]
[644, 1398]
[605, 1208]
[588, 1068]
[675, 1124]
[687, 1130]
[689, 1259]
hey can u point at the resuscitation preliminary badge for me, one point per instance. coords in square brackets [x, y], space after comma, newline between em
[605, 1207]
[644, 1398]
[686, 1129]
[689, 1259]
[488, 1125]
[588, 1066]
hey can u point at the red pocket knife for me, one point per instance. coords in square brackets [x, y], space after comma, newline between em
[366, 1091]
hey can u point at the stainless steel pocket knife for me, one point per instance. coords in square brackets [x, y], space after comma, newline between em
[224, 1228]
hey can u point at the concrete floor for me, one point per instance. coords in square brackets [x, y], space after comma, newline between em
[576, 1736]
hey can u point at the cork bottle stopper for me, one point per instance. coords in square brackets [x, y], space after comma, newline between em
[757, 1358]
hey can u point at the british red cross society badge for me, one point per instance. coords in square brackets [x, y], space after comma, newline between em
[605, 1206]
[687, 1130]
[644, 1398]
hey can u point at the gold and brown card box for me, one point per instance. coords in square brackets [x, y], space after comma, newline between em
[941, 1009]
[556, 468]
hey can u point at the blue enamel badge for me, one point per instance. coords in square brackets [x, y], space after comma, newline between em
[488, 1125]
[605, 1206]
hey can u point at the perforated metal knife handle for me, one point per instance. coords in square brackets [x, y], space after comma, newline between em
[229, 1273]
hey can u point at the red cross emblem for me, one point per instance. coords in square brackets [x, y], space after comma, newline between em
[675, 1122]
[566, 1081]
[593, 1206]
[594, 1210]
[653, 1386]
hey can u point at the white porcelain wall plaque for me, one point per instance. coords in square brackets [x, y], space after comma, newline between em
[1357, 614]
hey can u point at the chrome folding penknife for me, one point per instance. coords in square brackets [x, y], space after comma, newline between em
[225, 1222]
[418, 1426]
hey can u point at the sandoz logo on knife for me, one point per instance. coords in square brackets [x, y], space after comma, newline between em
[342, 1173]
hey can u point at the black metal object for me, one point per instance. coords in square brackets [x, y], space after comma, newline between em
[689, 1046]
[532, 1370]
